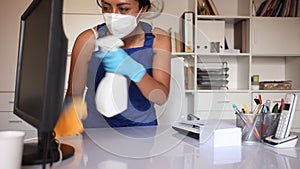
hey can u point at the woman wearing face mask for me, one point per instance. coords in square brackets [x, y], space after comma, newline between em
[147, 66]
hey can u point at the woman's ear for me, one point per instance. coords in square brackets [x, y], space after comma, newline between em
[144, 11]
[145, 8]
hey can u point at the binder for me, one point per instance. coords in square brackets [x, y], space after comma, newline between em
[208, 32]
[187, 31]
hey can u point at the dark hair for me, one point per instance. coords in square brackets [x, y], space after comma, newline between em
[142, 3]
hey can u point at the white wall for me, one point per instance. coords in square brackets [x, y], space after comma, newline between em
[10, 14]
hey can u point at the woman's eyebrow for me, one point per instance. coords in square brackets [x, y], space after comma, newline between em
[123, 3]
[118, 5]
[106, 3]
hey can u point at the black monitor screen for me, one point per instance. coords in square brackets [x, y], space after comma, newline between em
[41, 64]
[41, 77]
[34, 53]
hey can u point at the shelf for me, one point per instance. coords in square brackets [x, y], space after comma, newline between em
[182, 54]
[185, 56]
[189, 91]
[217, 91]
[274, 17]
[274, 55]
[229, 19]
[223, 54]
[209, 54]
[275, 91]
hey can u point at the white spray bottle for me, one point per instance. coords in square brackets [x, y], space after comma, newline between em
[111, 95]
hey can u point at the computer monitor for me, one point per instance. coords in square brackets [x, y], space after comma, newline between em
[40, 80]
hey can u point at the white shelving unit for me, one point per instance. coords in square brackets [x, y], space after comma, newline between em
[271, 50]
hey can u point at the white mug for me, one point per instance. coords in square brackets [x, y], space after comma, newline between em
[11, 149]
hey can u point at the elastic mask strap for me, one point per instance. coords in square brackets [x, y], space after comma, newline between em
[138, 15]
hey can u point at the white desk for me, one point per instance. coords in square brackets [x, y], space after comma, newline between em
[163, 147]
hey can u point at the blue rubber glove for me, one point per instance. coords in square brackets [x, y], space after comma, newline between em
[118, 61]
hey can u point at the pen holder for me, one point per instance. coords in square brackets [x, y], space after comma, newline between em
[269, 124]
[251, 127]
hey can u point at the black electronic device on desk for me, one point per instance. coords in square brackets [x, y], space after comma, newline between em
[282, 137]
[189, 128]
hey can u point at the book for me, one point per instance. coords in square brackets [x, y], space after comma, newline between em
[297, 9]
[187, 31]
[202, 10]
[266, 6]
[189, 77]
[241, 39]
[261, 8]
[283, 8]
[286, 8]
[293, 8]
[178, 42]
[173, 39]
[269, 8]
[279, 9]
[213, 7]
[207, 7]
[276, 8]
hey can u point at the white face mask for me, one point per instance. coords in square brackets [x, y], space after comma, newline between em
[121, 25]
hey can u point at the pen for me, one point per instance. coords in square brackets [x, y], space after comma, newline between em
[256, 100]
[235, 108]
[242, 117]
[268, 105]
[262, 109]
[246, 109]
[240, 114]
[281, 105]
[260, 99]
[253, 128]
[257, 109]
[275, 108]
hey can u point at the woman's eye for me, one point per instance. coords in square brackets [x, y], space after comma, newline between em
[124, 10]
[105, 8]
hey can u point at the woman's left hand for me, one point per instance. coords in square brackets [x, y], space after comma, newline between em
[118, 61]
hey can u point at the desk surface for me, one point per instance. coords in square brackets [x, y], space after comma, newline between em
[163, 147]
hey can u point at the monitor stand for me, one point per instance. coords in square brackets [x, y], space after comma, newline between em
[34, 153]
